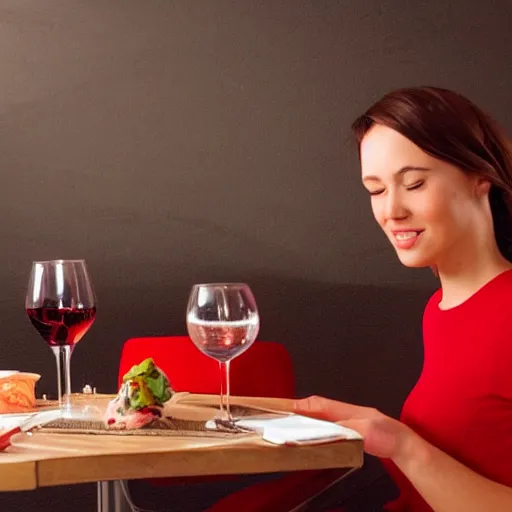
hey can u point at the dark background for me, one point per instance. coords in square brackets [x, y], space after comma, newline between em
[175, 142]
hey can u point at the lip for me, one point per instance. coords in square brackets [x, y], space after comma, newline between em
[410, 242]
[405, 230]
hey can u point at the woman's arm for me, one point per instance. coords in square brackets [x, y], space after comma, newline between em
[445, 484]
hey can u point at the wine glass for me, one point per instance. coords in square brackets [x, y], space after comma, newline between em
[61, 305]
[223, 322]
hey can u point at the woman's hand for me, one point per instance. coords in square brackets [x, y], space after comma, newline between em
[383, 436]
[445, 484]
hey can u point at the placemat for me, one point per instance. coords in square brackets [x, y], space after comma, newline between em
[165, 426]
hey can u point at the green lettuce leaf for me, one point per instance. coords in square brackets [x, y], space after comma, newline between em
[148, 385]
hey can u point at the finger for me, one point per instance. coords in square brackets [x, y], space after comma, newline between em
[360, 426]
[363, 428]
[380, 437]
[315, 406]
[325, 408]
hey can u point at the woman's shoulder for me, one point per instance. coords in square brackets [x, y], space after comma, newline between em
[495, 295]
[503, 281]
[434, 299]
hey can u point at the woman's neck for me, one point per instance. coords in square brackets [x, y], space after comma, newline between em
[464, 276]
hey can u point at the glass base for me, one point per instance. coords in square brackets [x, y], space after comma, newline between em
[81, 411]
[224, 425]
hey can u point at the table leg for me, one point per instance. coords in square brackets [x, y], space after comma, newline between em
[111, 497]
[316, 502]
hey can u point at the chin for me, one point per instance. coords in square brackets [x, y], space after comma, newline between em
[414, 261]
[415, 265]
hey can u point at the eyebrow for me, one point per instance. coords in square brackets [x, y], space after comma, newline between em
[401, 171]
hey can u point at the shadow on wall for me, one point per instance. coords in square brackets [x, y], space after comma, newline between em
[350, 342]
[360, 344]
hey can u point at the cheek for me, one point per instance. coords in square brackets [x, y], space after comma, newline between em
[433, 213]
[444, 214]
[377, 211]
[432, 208]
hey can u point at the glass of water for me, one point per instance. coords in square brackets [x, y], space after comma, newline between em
[223, 322]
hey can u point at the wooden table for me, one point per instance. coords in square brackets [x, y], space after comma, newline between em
[53, 459]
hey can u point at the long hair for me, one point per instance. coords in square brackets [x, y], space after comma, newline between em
[449, 127]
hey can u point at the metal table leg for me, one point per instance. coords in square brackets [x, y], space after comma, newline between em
[111, 497]
[314, 503]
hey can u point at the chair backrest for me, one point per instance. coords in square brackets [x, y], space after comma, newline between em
[265, 369]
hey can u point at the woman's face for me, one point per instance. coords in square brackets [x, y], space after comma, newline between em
[425, 206]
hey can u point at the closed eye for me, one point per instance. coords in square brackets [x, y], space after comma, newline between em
[375, 192]
[416, 185]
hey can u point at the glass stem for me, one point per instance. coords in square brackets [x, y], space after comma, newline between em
[228, 409]
[225, 410]
[63, 360]
[221, 411]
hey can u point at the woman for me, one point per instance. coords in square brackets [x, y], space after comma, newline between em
[439, 174]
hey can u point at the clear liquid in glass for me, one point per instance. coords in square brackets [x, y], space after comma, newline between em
[223, 340]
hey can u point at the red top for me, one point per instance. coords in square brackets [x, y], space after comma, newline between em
[462, 402]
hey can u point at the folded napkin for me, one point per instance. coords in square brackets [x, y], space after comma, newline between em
[294, 429]
[9, 421]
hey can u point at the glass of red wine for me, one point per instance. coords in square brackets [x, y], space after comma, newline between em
[61, 305]
[223, 322]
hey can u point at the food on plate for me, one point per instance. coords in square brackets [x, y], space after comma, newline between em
[144, 390]
[17, 391]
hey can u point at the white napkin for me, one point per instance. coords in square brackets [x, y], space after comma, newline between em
[8, 421]
[296, 429]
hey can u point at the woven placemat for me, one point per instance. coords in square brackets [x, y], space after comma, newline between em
[160, 427]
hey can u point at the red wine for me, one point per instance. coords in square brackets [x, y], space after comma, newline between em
[62, 326]
[223, 340]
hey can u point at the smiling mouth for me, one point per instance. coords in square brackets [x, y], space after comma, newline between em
[406, 239]
[406, 235]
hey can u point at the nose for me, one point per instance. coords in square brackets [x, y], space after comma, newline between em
[394, 207]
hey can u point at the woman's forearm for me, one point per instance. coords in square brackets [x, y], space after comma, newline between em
[446, 484]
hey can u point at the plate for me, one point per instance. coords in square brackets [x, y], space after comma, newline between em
[8, 421]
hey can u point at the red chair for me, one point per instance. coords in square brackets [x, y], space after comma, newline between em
[265, 369]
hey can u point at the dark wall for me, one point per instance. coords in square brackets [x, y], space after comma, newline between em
[175, 142]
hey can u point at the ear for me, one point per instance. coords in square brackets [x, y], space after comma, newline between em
[482, 186]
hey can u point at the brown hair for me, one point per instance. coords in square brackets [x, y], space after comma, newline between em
[448, 126]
